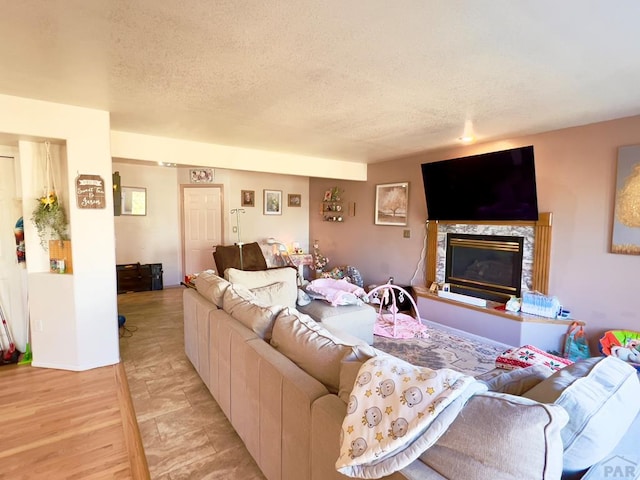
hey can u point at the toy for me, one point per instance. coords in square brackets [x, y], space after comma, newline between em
[624, 344]
[629, 353]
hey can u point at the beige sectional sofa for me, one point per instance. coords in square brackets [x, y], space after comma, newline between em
[283, 382]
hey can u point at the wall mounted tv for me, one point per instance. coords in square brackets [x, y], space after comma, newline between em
[496, 186]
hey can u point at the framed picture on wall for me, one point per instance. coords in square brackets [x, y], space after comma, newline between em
[392, 203]
[626, 220]
[247, 198]
[201, 175]
[272, 202]
[295, 200]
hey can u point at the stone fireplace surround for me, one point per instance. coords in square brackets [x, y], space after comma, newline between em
[514, 329]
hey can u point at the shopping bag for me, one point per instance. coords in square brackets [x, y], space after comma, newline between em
[575, 343]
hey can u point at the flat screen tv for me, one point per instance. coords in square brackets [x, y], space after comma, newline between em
[496, 186]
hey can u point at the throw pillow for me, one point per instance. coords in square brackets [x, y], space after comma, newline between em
[601, 395]
[313, 348]
[516, 382]
[529, 355]
[501, 436]
[273, 294]
[242, 304]
[262, 278]
[211, 286]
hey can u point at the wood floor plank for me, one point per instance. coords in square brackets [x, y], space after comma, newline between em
[68, 425]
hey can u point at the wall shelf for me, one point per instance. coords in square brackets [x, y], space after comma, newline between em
[333, 211]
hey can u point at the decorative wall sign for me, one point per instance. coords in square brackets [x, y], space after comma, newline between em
[90, 191]
[626, 219]
[392, 202]
[201, 175]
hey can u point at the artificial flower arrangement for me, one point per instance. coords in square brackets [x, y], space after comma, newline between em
[319, 260]
[50, 219]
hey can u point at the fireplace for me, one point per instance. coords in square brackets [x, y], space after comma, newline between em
[484, 266]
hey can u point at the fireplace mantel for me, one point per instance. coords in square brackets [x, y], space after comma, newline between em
[514, 329]
[541, 249]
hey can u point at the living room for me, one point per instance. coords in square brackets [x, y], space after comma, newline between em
[348, 141]
[302, 98]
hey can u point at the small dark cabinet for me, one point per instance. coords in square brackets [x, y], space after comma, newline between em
[136, 277]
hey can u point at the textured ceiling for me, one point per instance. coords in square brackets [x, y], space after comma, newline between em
[359, 80]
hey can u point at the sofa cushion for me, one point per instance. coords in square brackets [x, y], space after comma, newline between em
[211, 286]
[525, 441]
[274, 294]
[262, 278]
[354, 320]
[313, 348]
[516, 382]
[601, 395]
[242, 304]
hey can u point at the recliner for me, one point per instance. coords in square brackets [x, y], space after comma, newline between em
[228, 256]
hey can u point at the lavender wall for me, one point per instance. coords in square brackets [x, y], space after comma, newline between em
[576, 174]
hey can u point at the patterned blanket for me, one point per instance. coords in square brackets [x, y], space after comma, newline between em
[395, 412]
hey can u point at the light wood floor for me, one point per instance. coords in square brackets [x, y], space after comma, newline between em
[58, 424]
[184, 432]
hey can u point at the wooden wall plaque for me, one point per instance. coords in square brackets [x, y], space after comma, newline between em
[90, 191]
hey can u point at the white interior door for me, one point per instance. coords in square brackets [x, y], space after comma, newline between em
[202, 226]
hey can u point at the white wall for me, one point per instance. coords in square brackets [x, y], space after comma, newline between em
[77, 330]
[291, 226]
[134, 146]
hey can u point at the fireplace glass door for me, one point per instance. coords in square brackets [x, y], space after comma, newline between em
[484, 266]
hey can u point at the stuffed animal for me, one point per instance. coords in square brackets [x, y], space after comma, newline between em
[630, 353]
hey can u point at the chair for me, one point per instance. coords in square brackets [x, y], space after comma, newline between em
[228, 256]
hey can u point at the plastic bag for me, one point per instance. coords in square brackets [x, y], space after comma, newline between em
[575, 344]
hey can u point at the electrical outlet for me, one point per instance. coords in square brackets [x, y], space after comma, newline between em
[235, 229]
[406, 233]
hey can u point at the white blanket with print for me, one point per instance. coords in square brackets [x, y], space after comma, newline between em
[396, 411]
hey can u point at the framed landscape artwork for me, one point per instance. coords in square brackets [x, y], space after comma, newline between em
[626, 218]
[272, 202]
[392, 203]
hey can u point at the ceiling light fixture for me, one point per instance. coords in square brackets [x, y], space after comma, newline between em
[467, 135]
